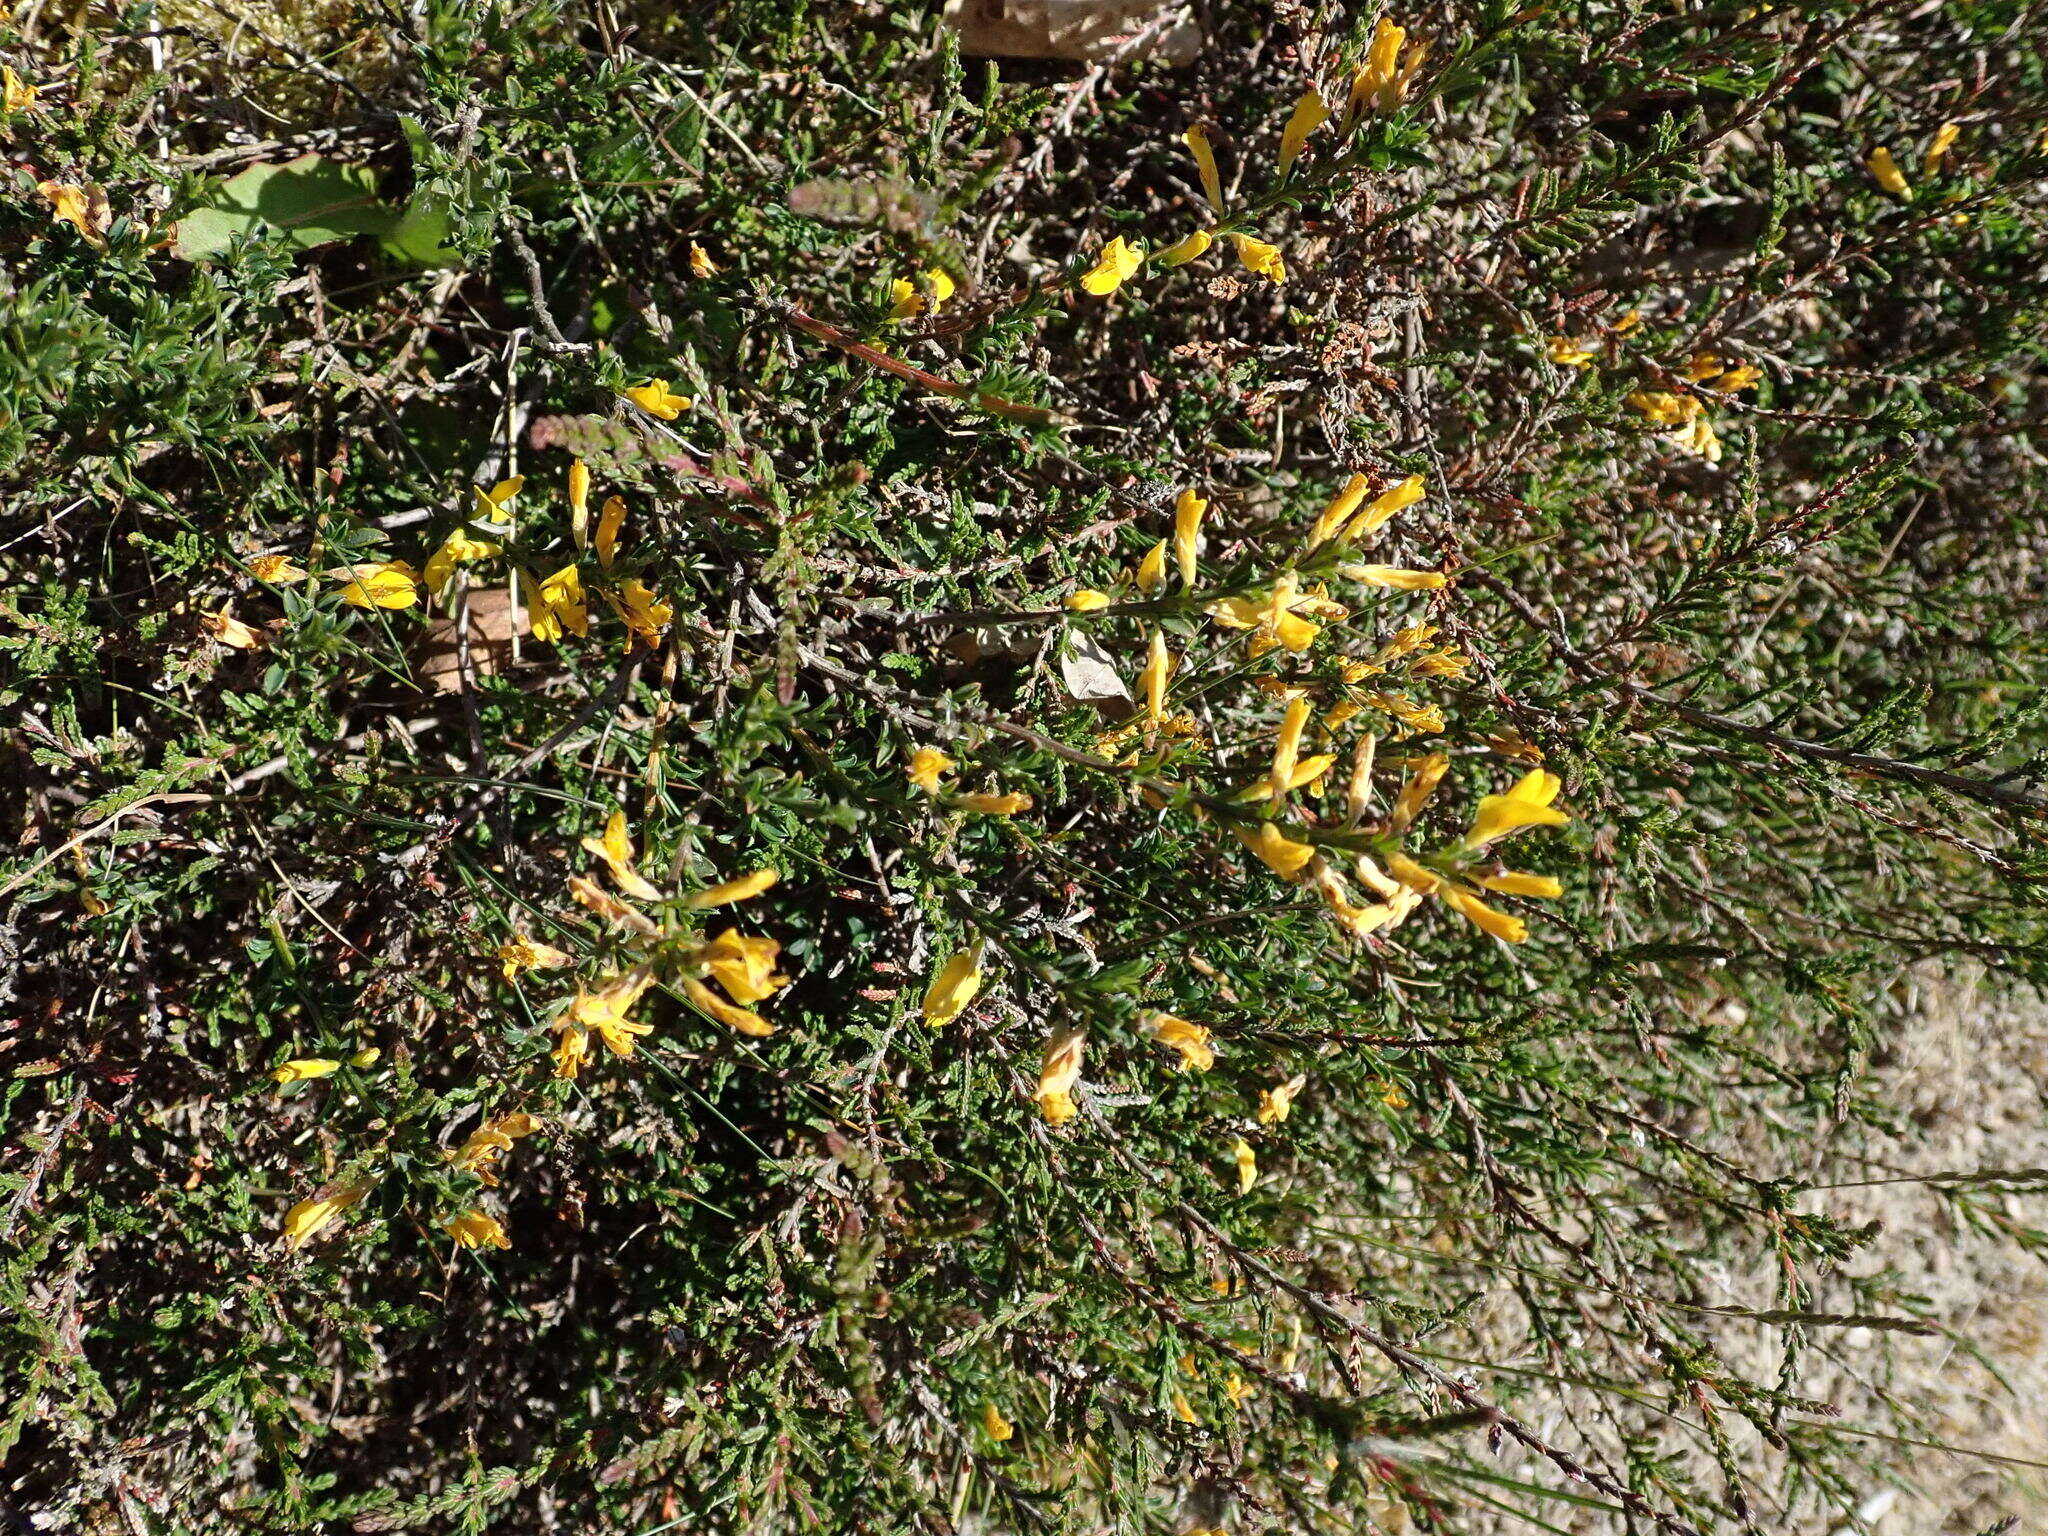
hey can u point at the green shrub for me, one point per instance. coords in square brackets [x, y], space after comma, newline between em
[1337, 819]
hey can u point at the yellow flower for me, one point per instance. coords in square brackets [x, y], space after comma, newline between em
[1151, 574]
[1704, 365]
[1280, 853]
[701, 264]
[994, 1425]
[490, 503]
[1399, 495]
[1882, 166]
[480, 1149]
[958, 980]
[387, 584]
[616, 849]
[1187, 531]
[1277, 1103]
[1275, 618]
[1628, 322]
[1237, 1389]
[16, 94]
[1247, 1165]
[1395, 576]
[277, 569]
[1182, 1410]
[83, 208]
[745, 888]
[926, 764]
[607, 906]
[1191, 1040]
[993, 805]
[1381, 83]
[745, 1020]
[1113, 267]
[1189, 247]
[603, 1012]
[906, 301]
[609, 521]
[1307, 771]
[1309, 115]
[459, 548]
[579, 503]
[1510, 883]
[1415, 876]
[571, 1050]
[1424, 774]
[304, 1070]
[1339, 511]
[1058, 1072]
[1567, 353]
[644, 615]
[1527, 804]
[745, 967]
[1152, 679]
[657, 399]
[1085, 600]
[558, 608]
[1205, 165]
[368, 1056]
[1500, 925]
[1944, 136]
[1257, 256]
[1700, 439]
[1287, 745]
[475, 1229]
[228, 630]
[304, 1221]
[1661, 408]
[1736, 379]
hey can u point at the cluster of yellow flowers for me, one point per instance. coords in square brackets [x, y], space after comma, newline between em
[1885, 170]
[743, 966]
[555, 605]
[1683, 416]
[1379, 84]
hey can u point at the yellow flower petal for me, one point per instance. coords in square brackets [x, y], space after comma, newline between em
[306, 1220]
[1277, 1102]
[1190, 247]
[1191, 1040]
[994, 1425]
[1113, 267]
[1152, 569]
[657, 399]
[304, 1070]
[745, 1020]
[1259, 257]
[926, 765]
[1510, 883]
[389, 584]
[1247, 1165]
[745, 888]
[1205, 165]
[277, 569]
[1401, 494]
[1424, 775]
[475, 1229]
[1396, 577]
[1500, 925]
[1886, 170]
[616, 849]
[226, 629]
[1187, 533]
[1944, 136]
[744, 966]
[953, 988]
[1280, 853]
[1058, 1072]
[609, 521]
[1085, 600]
[1527, 804]
[1309, 114]
[993, 805]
